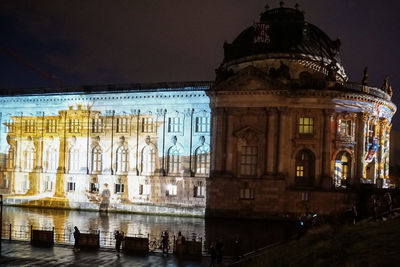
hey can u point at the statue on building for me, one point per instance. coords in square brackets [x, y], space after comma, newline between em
[364, 80]
[385, 86]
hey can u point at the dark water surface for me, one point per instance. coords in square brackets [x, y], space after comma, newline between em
[251, 234]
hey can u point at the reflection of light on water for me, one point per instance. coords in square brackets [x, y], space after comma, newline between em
[253, 234]
[130, 224]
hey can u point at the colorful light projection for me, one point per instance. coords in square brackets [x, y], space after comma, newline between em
[107, 151]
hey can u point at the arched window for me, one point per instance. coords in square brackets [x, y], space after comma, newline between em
[97, 159]
[342, 169]
[29, 158]
[122, 160]
[51, 159]
[304, 170]
[148, 160]
[11, 157]
[73, 159]
[202, 160]
[174, 160]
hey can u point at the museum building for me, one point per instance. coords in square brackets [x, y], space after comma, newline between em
[280, 130]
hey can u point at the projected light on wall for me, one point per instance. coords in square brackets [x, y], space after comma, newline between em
[107, 151]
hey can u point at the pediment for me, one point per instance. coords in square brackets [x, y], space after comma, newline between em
[249, 79]
[250, 134]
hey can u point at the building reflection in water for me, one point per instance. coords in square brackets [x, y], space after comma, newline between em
[252, 234]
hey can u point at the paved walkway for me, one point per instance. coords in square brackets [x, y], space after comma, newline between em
[16, 253]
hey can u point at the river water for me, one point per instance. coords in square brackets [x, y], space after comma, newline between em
[251, 234]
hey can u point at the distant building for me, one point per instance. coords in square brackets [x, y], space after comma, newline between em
[280, 130]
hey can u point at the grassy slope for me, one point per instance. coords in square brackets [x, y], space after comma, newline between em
[366, 244]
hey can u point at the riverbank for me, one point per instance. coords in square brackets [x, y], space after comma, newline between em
[368, 243]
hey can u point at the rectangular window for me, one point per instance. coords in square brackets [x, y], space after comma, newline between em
[122, 125]
[74, 126]
[97, 126]
[174, 125]
[29, 126]
[198, 190]
[51, 126]
[299, 171]
[147, 125]
[345, 127]
[49, 185]
[9, 126]
[306, 125]
[171, 190]
[248, 161]
[94, 187]
[144, 189]
[27, 184]
[202, 124]
[119, 188]
[247, 193]
[5, 183]
[71, 186]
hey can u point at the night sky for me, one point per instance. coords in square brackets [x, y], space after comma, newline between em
[45, 43]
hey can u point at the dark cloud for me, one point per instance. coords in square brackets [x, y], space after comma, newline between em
[97, 41]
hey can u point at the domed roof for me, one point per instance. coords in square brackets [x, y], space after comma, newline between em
[282, 30]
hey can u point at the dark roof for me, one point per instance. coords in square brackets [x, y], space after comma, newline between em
[87, 89]
[287, 32]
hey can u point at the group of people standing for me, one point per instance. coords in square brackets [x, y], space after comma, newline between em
[118, 236]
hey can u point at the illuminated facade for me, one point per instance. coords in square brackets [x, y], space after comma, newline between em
[281, 130]
[150, 149]
[289, 132]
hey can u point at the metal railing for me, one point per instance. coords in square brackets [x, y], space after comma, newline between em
[65, 236]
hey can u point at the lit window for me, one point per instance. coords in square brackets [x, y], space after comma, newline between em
[304, 168]
[198, 190]
[174, 125]
[174, 160]
[345, 127]
[51, 126]
[306, 125]
[29, 155]
[97, 126]
[144, 189]
[147, 125]
[29, 126]
[247, 193]
[52, 160]
[73, 159]
[48, 185]
[202, 124]
[248, 161]
[148, 160]
[299, 171]
[74, 126]
[97, 159]
[119, 187]
[122, 125]
[122, 160]
[71, 186]
[10, 159]
[202, 160]
[171, 190]
[5, 183]
[9, 126]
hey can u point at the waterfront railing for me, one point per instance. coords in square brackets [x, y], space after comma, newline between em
[65, 236]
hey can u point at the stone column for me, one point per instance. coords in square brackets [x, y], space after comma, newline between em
[326, 163]
[380, 155]
[272, 141]
[283, 151]
[60, 176]
[218, 141]
[33, 176]
[362, 127]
